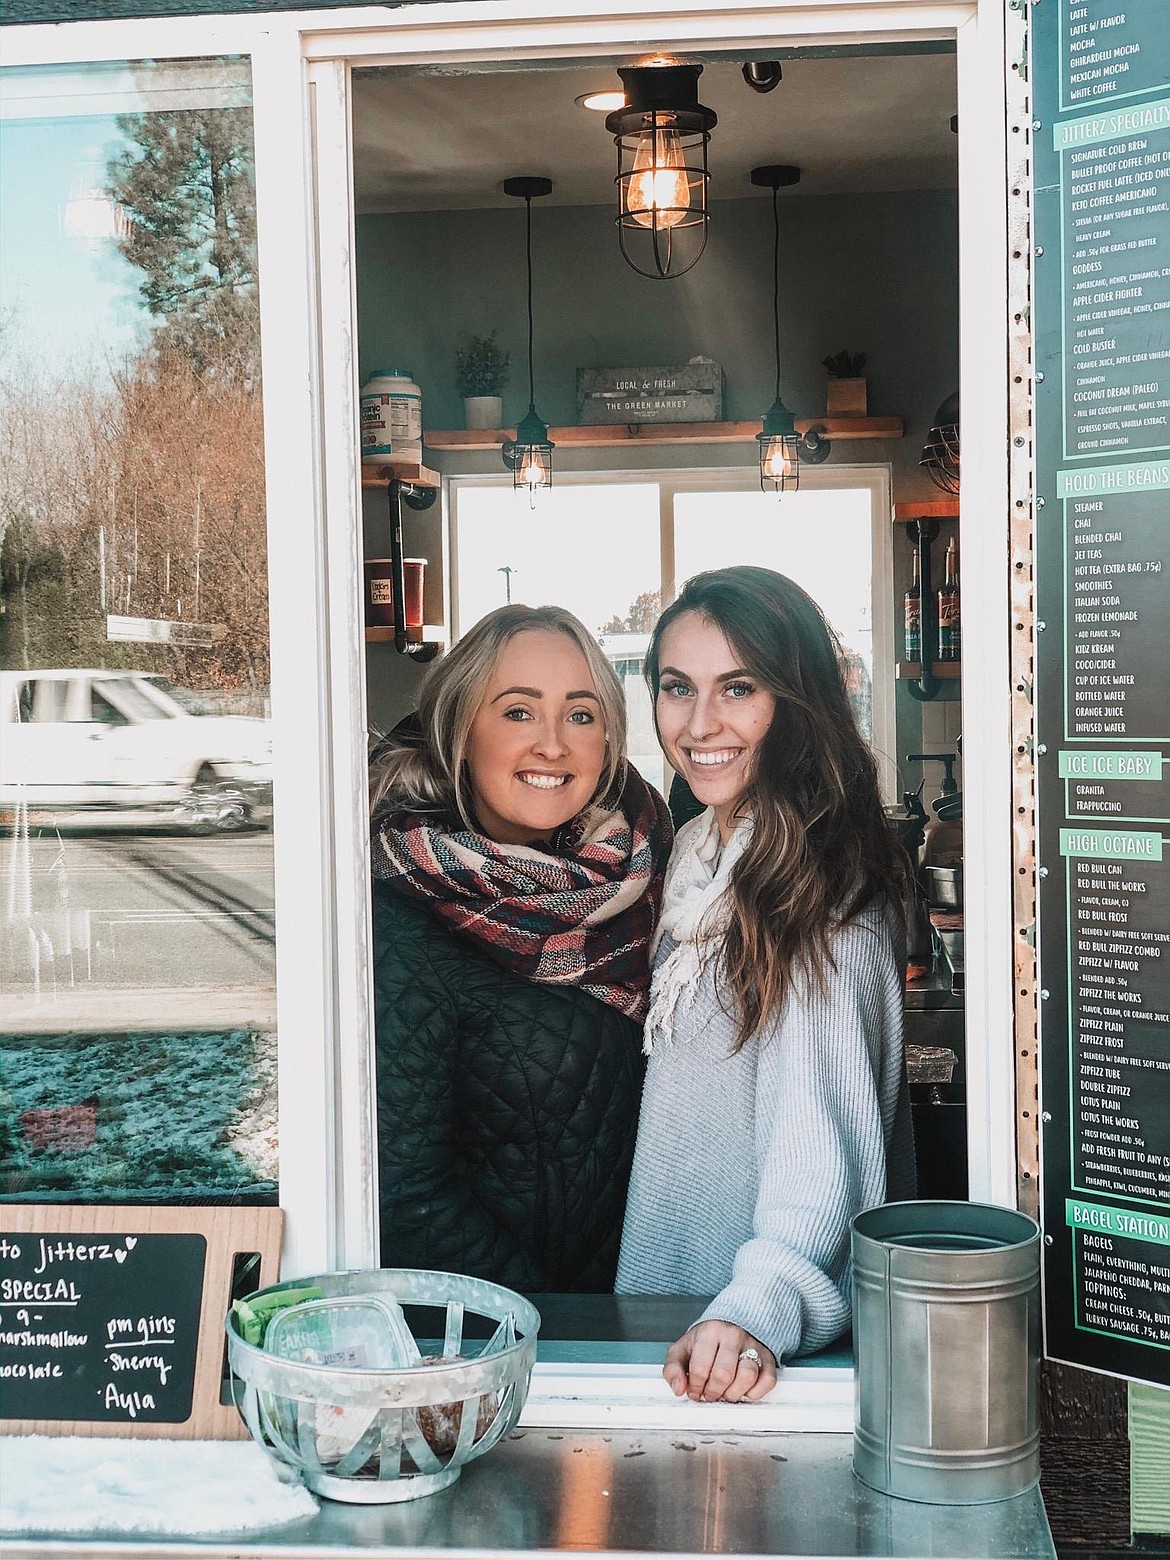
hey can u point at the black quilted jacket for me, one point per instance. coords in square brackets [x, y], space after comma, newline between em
[507, 1111]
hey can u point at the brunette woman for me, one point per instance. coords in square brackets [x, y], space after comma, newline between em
[520, 863]
[775, 1104]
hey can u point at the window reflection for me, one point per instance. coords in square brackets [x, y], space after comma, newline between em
[138, 961]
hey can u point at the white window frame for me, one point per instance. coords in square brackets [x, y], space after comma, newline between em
[874, 479]
[303, 805]
[301, 66]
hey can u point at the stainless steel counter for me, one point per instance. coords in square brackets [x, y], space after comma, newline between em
[544, 1492]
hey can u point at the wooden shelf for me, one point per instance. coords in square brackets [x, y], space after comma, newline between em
[932, 509]
[417, 633]
[945, 671]
[608, 435]
[405, 470]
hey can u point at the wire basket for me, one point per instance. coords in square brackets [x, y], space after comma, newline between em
[375, 1436]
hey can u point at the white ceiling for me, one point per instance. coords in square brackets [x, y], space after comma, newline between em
[427, 142]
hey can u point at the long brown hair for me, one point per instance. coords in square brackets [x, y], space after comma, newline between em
[821, 848]
[429, 773]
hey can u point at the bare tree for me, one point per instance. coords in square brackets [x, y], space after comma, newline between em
[641, 615]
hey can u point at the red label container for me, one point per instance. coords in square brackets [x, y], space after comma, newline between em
[380, 591]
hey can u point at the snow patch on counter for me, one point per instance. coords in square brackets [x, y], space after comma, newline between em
[61, 1484]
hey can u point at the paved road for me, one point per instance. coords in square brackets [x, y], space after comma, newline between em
[138, 930]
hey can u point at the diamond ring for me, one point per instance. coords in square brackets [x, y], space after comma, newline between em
[754, 1356]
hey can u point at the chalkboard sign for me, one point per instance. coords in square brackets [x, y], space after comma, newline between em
[100, 1329]
[111, 1319]
[1101, 315]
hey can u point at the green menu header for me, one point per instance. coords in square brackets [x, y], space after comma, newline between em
[1133, 477]
[1111, 125]
[1117, 1221]
[1112, 844]
[1109, 766]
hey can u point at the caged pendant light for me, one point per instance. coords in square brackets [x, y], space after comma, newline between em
[529, 456]
[661, 135]
[782, 449]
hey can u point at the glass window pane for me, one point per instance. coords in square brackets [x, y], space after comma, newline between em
[822, 539]
[136, 855]
[593, 547]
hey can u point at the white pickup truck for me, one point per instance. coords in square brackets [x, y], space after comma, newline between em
[129, 743]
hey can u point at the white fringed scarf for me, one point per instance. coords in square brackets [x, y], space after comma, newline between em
[694, 914]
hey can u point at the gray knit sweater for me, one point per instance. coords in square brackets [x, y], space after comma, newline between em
[749, 1165]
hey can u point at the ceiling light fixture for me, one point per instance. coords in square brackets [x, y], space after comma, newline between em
[529, 456]
[782, 449]
[602, 102]
[661, 135]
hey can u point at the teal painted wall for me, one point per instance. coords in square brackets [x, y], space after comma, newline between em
[876, 273]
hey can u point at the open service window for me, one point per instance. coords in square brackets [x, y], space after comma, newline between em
[404, 276]
[299, 72]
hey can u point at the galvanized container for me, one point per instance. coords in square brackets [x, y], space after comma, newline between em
[374, 1436]
[946, 1331]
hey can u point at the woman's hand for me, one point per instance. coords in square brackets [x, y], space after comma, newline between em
[707, 1363]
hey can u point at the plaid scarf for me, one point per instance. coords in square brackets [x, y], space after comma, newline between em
[577, 913]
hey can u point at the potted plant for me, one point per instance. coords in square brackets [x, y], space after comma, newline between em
[846, 394]
[481, 372]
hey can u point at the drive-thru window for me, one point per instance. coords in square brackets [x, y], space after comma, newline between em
[218, 227]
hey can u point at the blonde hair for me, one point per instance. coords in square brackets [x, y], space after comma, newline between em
[429, 773]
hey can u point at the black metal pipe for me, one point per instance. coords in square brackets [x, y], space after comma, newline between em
[397, 571]
[926, 685]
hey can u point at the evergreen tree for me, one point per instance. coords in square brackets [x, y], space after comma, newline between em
[186, 181]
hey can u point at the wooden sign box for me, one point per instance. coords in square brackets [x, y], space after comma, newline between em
[690, 393]
[111, 1318]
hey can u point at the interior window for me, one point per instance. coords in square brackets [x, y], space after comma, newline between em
[504, 549]
[714, 529]
[507, 551]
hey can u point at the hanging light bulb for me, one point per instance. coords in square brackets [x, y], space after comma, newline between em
[529, 456]
[660, 190]
[533, 472]
[661, 134]
[778, 460]
[782, 449]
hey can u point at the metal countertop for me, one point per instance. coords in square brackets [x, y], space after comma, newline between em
[545, 1492]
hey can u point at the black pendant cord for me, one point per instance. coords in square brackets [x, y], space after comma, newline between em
[528, 252]
[776, 282]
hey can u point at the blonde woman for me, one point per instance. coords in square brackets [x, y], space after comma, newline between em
[776, 1104]
[518, 865]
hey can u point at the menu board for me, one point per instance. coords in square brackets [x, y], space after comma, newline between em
[100, 1328]
[1100, 71]
[112, 1318]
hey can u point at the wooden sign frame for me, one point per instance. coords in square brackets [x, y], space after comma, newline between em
[228, 1232]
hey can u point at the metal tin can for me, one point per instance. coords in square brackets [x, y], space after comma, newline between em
[946, 1329]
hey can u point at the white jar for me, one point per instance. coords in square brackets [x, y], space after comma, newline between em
[391, 410]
